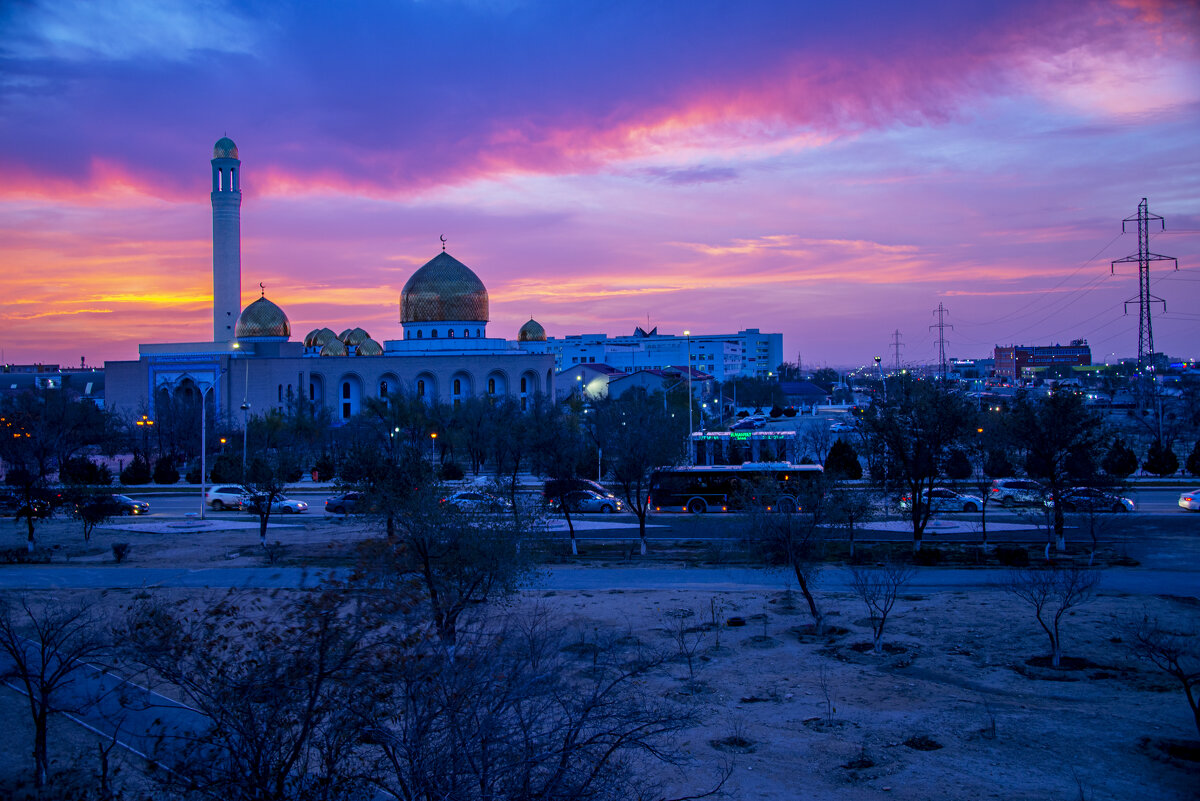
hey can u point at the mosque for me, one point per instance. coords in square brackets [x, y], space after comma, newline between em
[252, 364]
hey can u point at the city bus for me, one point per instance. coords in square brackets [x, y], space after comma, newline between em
[726, 488]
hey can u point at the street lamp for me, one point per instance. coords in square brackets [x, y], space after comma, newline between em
[433, 447]
[688, 334]
[145, 425]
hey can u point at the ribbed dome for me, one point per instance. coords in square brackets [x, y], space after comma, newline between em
[262, 318]
[444, 289]
[225, 149]
[532, 331]
[319, 337]
[345, 333]
[334, 347]
[368, 347]
[354, 336]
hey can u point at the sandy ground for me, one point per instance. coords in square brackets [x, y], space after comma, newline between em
[956, 675]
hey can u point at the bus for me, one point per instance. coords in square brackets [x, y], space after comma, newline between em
[727, 488]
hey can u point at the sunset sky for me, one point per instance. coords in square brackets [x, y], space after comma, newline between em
[831, 171]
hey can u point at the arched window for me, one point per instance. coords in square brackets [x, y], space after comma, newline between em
[491, 386]
[466, 332]
[457, 386]
[312, 392]
[289, 392]
[420, 387]
[433, 334]
[383, 389]
[524, 384]
[420, 333]
[450, 333]
[346, 390]
[476, 332]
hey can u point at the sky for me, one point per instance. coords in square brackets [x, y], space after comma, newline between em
[830, 171]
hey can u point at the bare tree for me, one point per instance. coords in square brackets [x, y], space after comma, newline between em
[1052, 592]
[46, 646]
[789, 536]
[878, 588]
[849, 508]
[1174, 653]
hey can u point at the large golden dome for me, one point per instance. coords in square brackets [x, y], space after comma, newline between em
[368, 347]
[532, 331]
[444, 289]
[262, 318]
[225, 149]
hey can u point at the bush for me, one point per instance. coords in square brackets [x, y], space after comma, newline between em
[450, 471]
[776, 412]
[958, 465]
[1120, 461]
[226, 469]
[325, 467]
[292, 474]
[193, 474]
[120, 551]
[81, 470]
[1161, 460]
[842, 461]
[138, 472]
[789, 411]
[1192, 465]
[997, 465]
[165, 471]
[1012, 557]
[928, 556]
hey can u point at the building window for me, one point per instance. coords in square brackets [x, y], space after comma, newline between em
[457, 386]
[450, 333]
[524, 404]
[312, 392]
[466, 332]
[345, 411]
[433, 334]
[476, 332]
[383, 389]
[421, 388]
[281, 393]
[524, 386]
[346, 390]
[491, 386]
[420, 333]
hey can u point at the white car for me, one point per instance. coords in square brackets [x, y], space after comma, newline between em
[841, 428]
[1190, 500]
[225, 496]
[946, 500]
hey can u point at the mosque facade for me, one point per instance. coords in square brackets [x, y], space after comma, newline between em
[253, 363]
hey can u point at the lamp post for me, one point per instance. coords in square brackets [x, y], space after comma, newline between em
[688, 334]
[145, 424]
[433, 448]
[204, 436]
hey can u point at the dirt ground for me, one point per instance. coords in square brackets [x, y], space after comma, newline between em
[954, 710]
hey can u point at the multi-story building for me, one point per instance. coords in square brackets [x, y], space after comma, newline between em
[1013, 360]
[748, 353]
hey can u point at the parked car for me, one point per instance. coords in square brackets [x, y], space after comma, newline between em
[346, 504]
[941, 499]
[1017, 492]
[588, 501]
[280, 506]
[556, 486]
[1089, 499]
[128, 506]
[13, 506]
[742, 425]
[841, 428]
[1190, 500]
[225, 496]
[475, 501]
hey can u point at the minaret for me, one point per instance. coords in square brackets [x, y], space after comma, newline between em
[227, 238]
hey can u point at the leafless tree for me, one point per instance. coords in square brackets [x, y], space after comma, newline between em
[689, 637]
[1174, 652]
[878, 588]
[849, 508]
[789, 536]
[46, 646]
[512, 717]
[1052, 592]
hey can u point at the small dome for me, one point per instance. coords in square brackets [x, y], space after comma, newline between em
[334, 347]
[354, 336]
[225, 149]
[368, 347]
[532, 331]
[345, 333]
[444, 290]
[318, 338]
[262, 318]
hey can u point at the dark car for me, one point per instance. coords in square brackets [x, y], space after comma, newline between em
[13, 506]
[113, 505]
[346, 504]
[128, 506]
[588, 501]
[1089, 499]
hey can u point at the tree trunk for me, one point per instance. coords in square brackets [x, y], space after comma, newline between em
[878, 650]
[818, 618]
[1060, 539]
[41, 761]
[29, 541]
[1056, 656]
[642, 530]
[983, 519]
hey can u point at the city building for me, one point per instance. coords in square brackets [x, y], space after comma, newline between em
[1013, 361]
[748, 353]
[253, 364]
